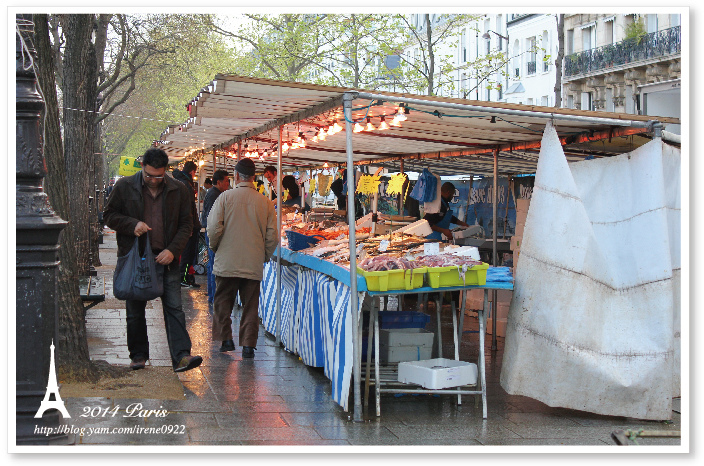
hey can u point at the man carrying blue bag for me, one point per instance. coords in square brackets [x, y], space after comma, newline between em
[151, 201]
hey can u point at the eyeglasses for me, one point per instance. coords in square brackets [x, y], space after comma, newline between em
[153, 177]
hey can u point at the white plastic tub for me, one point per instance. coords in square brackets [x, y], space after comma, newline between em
[438, 373]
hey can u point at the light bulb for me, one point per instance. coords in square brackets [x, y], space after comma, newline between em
[358, 128]
[395, 122]
[322, 134]
[302, 144]
[201, 163]
[331, 131]
[337, 127]
[315, 138]
[370, 126]
[400, 115]
[383, 125]
[284, 148]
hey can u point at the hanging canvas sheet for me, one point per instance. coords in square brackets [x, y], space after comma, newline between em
[594, 320]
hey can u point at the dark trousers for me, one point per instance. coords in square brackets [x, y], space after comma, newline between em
[226, 289]
[174, 321]
[211, 277]
[188, 256]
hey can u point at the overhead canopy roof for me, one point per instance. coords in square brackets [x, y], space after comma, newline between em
[451, 136]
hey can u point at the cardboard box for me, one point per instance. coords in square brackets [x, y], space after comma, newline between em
[474, 299]
[502, 310]
[519, 229]
[522, 205]
[500, 327]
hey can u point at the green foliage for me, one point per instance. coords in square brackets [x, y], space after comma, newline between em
[636, 30]
[191, 54]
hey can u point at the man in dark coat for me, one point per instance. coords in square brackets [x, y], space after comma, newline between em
[189, 255]
[151, 201]
[221, 181]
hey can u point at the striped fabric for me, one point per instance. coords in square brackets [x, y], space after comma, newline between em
[315, 321]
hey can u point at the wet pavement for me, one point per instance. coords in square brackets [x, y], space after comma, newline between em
[276, 400]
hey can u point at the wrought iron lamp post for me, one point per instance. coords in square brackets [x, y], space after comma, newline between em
[38, 230]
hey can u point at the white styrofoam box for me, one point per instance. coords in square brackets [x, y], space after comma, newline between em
[406, 337]
[404, 353]
[419, 228]
[438, 373]
[364, 222]
[465, 251]
[467, 232]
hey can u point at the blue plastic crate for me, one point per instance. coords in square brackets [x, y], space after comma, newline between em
[399, 319]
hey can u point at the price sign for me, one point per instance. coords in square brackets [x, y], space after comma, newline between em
[395, 185]
[384, 245]
[311, 189]
[285, 195]
[368, 184]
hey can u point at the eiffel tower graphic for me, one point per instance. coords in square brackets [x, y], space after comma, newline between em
[52, 387]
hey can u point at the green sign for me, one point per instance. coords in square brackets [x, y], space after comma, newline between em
[129, 166]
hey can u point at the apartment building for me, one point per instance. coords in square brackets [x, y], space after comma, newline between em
[626, 63]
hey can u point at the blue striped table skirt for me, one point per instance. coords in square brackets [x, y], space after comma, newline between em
[316, 323]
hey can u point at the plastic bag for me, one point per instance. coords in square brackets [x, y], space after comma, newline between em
[425, 188]
[138, 278]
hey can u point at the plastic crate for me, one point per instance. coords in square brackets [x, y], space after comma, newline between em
[438, 373]
[398, 319]
[439, 277]
[389, 280]
[298, 241]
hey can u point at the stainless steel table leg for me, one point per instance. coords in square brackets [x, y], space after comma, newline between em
[377, 386]
[370, 336]
[438, 309]
[457, 343]
[482, 370]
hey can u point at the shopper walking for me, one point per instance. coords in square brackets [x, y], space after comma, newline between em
[221, 181]
[243, 233]
[190, 253]
[151, 201]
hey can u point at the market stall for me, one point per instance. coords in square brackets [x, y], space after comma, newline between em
[296, 126]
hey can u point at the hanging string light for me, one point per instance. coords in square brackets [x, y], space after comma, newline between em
[370, 126]
[357, 128]
[383, 124]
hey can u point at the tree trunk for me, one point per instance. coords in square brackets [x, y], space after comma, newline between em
[79, 92]
[431, 56]
[560, 58]
[72, 348]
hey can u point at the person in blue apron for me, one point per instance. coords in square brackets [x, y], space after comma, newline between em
[441, 221]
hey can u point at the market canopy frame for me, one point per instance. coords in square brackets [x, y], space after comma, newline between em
[447, 135]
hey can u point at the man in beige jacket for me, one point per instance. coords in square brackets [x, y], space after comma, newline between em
[243, 233]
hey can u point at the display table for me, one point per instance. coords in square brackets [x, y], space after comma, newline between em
[316, 322]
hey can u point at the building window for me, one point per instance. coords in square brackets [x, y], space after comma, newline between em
[609, 31]
[587, 38]
[569, 42]
[463, 47]
[675, 20]
[652, 21]
[532, 57]
[587, 101]
[544, 101]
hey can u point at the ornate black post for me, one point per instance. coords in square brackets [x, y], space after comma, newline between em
[38, 230]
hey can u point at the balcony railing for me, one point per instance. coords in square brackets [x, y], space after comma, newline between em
[531, 67]
[656, 44]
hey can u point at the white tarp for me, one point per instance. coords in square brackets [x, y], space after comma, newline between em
[594, 320]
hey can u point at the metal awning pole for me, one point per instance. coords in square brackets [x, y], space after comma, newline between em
[354, 306]
[506, 111]
[494, 256]
[278, 256]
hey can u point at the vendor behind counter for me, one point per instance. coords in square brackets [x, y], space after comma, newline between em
[440, 222]
[294, 197]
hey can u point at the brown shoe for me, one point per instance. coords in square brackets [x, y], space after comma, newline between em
[187, 363]
[139, 362]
